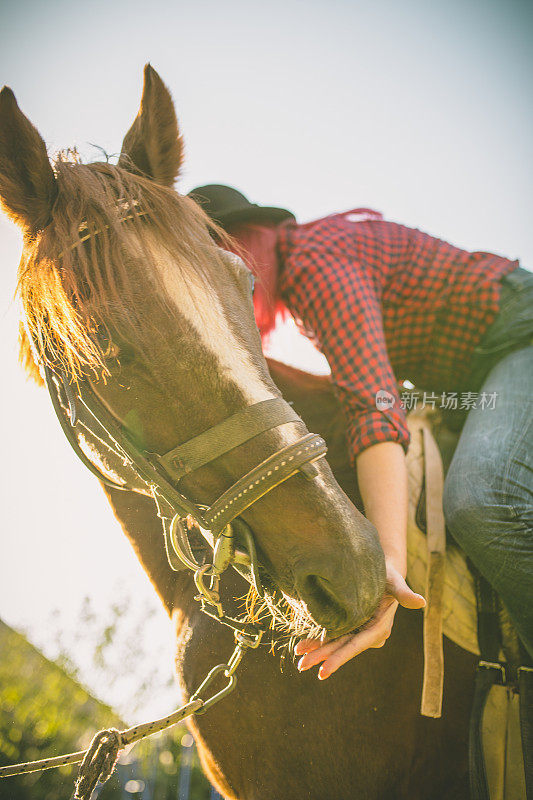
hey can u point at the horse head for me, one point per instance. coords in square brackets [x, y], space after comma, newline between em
[123, 284]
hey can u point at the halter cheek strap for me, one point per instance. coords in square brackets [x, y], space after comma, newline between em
[242, 426]
[55, 383]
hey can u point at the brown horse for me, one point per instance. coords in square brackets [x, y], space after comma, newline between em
[123, 286]
[284, 734]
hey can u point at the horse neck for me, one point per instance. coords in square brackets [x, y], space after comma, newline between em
[138, 519]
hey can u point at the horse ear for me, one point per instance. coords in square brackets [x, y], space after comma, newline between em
[153, 143]
[27, 184]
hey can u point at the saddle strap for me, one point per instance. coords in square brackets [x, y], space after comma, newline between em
[487, 676]
[433, 683]
[525, 687]
[489, 672]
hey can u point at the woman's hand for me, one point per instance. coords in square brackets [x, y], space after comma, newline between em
[382, 476]
[375, 633]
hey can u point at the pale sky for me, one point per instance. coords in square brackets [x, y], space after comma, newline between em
[420, 110]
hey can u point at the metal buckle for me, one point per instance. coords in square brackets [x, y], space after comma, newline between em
[495, 665]
[251, 640]
[245, 640]
[209, 594]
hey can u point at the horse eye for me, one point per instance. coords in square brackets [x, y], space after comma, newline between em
[112, 351]
[125, 354]
[115, 351]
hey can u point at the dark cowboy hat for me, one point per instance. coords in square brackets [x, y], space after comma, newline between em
[226, 205]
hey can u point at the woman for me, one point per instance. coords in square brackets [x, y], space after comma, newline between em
[386, 303]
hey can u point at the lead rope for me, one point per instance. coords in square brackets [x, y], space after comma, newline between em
[99, 760]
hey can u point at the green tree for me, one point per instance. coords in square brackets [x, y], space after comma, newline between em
[44, 710]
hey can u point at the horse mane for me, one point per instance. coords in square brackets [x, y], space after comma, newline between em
[76, 274]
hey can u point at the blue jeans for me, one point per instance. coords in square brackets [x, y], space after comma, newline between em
[488, 494]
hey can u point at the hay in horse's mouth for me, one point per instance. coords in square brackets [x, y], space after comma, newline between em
[286, 616]
[291, 615]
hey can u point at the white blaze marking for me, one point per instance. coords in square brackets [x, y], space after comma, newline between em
[206, 315]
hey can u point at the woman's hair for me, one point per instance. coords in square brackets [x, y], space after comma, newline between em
[256, 243]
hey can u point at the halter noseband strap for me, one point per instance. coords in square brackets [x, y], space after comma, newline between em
[227, 435]
[276, 469]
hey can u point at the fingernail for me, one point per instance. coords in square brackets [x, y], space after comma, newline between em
[301, 665]
[322, 675]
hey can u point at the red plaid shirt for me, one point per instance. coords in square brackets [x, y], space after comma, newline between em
[386, 303]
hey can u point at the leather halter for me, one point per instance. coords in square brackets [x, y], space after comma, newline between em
[220, 524]
[160, 473]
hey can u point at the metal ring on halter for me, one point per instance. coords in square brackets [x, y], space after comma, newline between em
[225, 552]
[180, 543]
[247, 557]
[223, 547]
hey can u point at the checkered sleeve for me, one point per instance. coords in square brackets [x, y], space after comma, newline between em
[339, 305]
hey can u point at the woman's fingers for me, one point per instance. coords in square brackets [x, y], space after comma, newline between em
[318, 654]
[373, 636]
[353, 647]
[338, 651]
[306, 645]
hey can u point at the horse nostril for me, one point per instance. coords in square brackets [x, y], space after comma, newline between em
[318, 587]
[319, 596]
